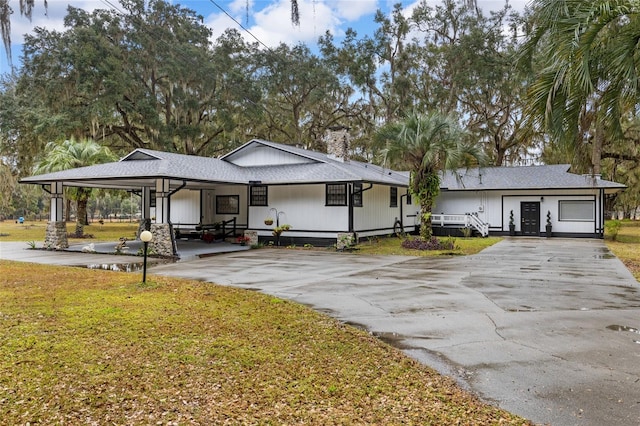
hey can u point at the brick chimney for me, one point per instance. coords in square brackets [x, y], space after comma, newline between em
[338, 143]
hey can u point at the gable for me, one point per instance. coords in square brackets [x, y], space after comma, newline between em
[140, 155]
[256, 153]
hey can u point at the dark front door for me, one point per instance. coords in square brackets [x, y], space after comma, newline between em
[530, 214]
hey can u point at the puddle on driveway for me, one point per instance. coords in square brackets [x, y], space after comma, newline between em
[624, 328]
[521, 309]
[605, 256]
[119, 267]
[394, 339]
[123, 267]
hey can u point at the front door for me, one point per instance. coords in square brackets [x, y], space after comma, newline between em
[530, 214]
[207, 207]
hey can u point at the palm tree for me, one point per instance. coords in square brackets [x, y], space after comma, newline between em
[426, 145]
[588, 78]
[70, 154]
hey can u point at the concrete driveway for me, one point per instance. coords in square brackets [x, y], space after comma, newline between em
[545, 328]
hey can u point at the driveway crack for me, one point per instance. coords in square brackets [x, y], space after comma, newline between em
[495, 327]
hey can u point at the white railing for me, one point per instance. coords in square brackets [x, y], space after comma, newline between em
[462, 220]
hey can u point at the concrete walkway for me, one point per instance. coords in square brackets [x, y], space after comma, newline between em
[545, 328]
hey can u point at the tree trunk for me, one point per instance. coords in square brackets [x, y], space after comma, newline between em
[596, 153]
[67, 210]
[81, 218]
[425, 185]
[425, 220]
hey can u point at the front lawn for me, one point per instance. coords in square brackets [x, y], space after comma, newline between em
[627, 245]
[96, 347]
[35, 231]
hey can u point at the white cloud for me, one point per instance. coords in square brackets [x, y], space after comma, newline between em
[51, 17]
[350, 10]
[271, 20]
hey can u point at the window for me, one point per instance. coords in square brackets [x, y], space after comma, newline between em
[336, 194]
[227, 204]
[393, 196]
[258, 195]
[357, 195]
[577, 211]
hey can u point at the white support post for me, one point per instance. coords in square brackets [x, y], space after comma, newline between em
[57, 202]
[146, 203]
[162, 201]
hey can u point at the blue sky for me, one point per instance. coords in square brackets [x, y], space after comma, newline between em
[269, 20]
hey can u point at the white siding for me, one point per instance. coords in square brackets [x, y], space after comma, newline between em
[302, 207]
[494, 207]
[185, 207]
[550, 201]
[478, 202]
[376, 216]
[241, 192]
[260, 155]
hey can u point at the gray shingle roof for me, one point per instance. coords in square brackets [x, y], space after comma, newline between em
[325, 168]
[142, 165]
[530, 177]
[133, 169]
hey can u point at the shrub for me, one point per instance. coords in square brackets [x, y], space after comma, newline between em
[466, 232]
[433, 244]
[612, 227]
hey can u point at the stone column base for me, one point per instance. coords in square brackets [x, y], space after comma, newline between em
[253, 237]
[345, 240]
[162, 243]
[56, 236]
[144, 225]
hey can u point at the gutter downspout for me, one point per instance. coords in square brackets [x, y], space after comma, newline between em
[174, 243]
[406, 195]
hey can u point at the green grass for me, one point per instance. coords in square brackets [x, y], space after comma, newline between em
[392, 246]
[35, 231]
[95, 347]
[627, 246]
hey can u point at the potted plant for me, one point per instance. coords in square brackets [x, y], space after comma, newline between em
[548, 227]
[268, 221]
[279, 230]
[243, 240]
[512, 224]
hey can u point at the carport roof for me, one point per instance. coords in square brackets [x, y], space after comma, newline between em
[142, 166]
[520, 178]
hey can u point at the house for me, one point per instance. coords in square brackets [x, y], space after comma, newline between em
[531, 196]
[324, 197]
[321, 196]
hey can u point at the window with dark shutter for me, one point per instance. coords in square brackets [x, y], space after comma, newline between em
[357, 195]
[258, 195]
[393, 197]
[336, 194]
